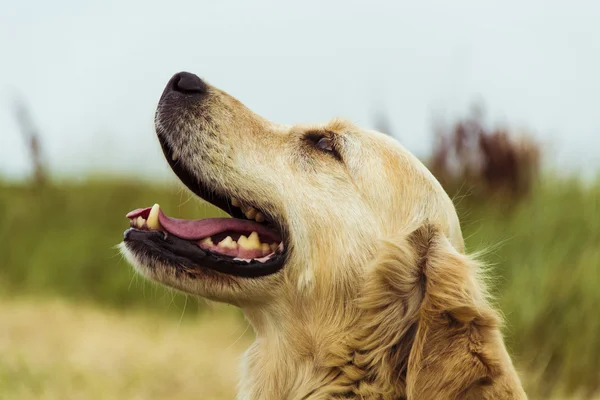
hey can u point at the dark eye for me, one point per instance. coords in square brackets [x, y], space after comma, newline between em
[325, 144]
[323, 141]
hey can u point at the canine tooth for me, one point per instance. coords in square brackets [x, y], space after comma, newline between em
[235, 202]
[273, 246]
[207, 241]
[140, 222]
[260, 217]
[228, 243]
[174, 156]
[152, 221]
[251, 213]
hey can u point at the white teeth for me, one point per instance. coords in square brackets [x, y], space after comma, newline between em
[139, 222]
[251, 213]
[207, 241]
[259, 217]
[243, 241]
[228, 243]
[250, 242]
[153, 222]
[254, 241]
[174, 156]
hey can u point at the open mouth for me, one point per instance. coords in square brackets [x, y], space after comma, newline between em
[249, 244]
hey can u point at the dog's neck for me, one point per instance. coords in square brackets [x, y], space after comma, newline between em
[317, 344]
[293, 359]
[318, 354]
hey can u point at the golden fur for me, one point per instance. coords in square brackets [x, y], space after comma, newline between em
[377, 299]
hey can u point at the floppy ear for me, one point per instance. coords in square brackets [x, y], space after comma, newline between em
[431, 329]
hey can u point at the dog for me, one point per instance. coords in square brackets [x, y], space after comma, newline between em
[343, 251]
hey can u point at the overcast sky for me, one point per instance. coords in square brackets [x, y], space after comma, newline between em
[92, 71]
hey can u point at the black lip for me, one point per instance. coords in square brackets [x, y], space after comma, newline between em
[173, 250]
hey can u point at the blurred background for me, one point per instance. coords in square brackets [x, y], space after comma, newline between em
[500, 99]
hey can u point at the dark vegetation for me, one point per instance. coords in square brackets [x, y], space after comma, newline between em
[489, 162]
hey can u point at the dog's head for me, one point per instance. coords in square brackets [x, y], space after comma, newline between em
[320, 198]
[343, 248]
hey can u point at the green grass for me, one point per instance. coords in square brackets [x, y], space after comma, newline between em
[61, 240]
[546, 263]
[545, 253]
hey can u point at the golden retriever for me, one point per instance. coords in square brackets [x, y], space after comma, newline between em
[344, 252]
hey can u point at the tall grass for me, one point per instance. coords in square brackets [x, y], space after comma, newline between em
[545, 252]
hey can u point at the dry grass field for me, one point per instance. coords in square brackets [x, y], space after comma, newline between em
[55, 350]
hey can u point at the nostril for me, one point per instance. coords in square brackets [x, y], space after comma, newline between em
[186, 82]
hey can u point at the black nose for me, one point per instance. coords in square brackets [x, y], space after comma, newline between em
[186, 82]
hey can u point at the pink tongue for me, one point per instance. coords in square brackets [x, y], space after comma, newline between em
[201, 228]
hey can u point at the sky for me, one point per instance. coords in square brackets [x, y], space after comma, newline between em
[92, 71]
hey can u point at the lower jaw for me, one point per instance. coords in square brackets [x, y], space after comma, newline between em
[173, 251]
[230, 247]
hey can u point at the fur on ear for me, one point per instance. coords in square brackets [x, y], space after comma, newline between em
[430, 330]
